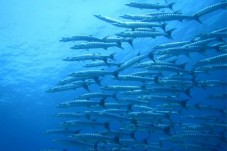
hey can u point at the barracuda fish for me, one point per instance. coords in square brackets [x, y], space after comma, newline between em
[203, 118]
[68, 115]
[178, 78]
[171, 17]
[155, 127]
[88, 38]
[52, 149]
[82, 123]
[68, 80]
[131, 101]
[119, 40]
[120, 133]
[61, 131]
[174, 83]
[79, 103]
[164, 57]
[212, 67]
[211, 83]
[135, 92]
[171, 45]
[134, 25]
[208, 108]
[146, 73]
[222, 96]
[201, 42]
[163, 13]
[129, 63]
[180, 51]
[144, 29]
[170, 69]
[91, 57]
[215, 31]
[71, 142]
[95, 45]
[135, 17]
[107, 19]
[96, 95]
[147, 115]
[101, 63]
[172, 90]
[196, 136]
[211, 35]
[211, 8]
[145, 16]
[219, 59]
[113, 116]
[96, 137]
[91, 73]
[152, 63]
[150, 6]
[142, 107]
[118, 106]
[144, 34]
[72, 86]
[118, 111]
[154, 97]
[193, 147]
[79, 79]
[122, 87]
[134, 78]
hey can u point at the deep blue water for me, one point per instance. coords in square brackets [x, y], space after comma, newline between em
[31, 58]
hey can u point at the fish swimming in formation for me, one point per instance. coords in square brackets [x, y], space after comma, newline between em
[150, 100]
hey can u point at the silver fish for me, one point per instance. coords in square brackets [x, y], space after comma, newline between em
[150, 6]
[95, 45]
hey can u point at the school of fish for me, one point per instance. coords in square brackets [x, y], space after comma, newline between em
[146, 103]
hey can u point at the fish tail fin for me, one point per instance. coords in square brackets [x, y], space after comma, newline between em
[167, 130]
[129, 108]
[163, 26]
[156, 79]
[119, 45]
[183, 103]
[117, 140]
[197, 106]
[146, 140]
[115, 74]
[97, 80]
[183, 65]
[133, 134]
[130, 41]
[102, 102]
[188, 92]
[112, 56]
[85, 86]
[96, 145]
[104, 39]
[107, 125]
[114, 96]
[196, 17]
[171, 5]
[222, 137]
[105, 60]
[151, 56]
[177, 12]
[169, 33]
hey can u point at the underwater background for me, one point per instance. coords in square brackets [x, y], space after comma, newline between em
[31, 59]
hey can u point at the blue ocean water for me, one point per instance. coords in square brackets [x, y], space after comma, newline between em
[31, 59]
